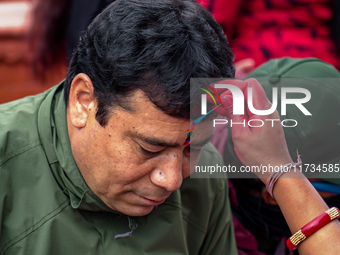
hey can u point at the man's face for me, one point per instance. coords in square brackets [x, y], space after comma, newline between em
[138, 159]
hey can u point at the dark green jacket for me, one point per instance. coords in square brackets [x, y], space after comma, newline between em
[47, 208]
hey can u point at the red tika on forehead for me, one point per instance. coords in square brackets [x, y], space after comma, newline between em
[187, 140]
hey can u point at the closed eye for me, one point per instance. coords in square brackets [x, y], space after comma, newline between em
[149, 153]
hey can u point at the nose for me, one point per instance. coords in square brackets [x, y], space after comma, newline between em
[168, 173]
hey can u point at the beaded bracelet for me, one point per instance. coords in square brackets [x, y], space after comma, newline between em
[277, 174]
[311, 227]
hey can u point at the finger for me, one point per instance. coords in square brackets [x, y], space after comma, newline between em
[227, 103]
[236, 104]
[258, 97]
[227, 97]
[245, 64]
[238, 122]
[215, 92]
[216, 98]
[227, 81]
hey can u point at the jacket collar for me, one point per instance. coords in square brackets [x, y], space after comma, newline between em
[52, 127]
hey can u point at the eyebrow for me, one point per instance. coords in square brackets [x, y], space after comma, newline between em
[161, 143]
[158, 142]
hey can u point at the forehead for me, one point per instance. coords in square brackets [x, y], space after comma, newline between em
[145, 119]
[144, 111]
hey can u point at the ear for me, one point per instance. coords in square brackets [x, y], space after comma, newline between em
[82, 102]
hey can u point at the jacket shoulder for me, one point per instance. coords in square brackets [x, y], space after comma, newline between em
[29, 192]
[18, 122]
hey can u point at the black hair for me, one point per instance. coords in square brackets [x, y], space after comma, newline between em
[152, 45]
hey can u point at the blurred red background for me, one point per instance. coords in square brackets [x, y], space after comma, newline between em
[16, 76]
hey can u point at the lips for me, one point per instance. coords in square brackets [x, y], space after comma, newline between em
[151, 201]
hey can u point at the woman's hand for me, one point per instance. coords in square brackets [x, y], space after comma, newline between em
[264, 145]
[255, 146]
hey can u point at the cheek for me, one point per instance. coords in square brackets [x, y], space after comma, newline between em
[120, 166]
[125, 153]
[120, 162]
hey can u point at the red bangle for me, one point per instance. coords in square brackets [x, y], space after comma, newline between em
[311, 227]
